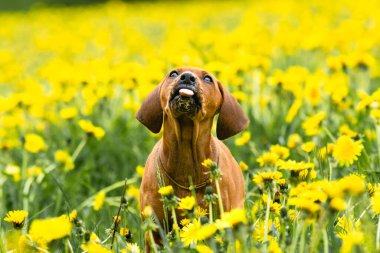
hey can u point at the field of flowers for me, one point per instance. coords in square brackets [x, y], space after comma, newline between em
[72, 153]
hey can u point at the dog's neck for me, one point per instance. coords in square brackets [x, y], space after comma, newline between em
[186, 144]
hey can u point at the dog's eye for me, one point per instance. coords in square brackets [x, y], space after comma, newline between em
[207, 79]
[173, 74]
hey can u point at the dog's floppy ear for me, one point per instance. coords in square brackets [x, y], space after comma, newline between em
[151, 113]
[232, 119]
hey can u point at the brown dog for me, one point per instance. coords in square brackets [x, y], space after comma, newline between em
[185, 103]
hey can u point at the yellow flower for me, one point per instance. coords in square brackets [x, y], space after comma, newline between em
[346, 224]
[311, 125]
[266, 177]
[194, 232]
[140, 170]
[294, 140]
[323, 152]
[375, 203]
[268, 158]
[308, 146]
[199, 212]
[95, 248]
[64, 157]
[16, 217]
[68, 113]
[99, 200]
[243, 166]
[353, 184]
[185, 221]
[58, 228]
[134, 192]
[89, 128]
[274, 247]
[233, 218]
[187, 203]
[243, 139]
[166, 190]
[282, 152]
[124, 232]
[208, 163]
[34, 143]
[349, 240]
[305, 204]
[73, 216]
[131, 248]
[203, 249]
[13, 171]
[34, 171]
[345, 130]
[293, 110]
[346, 151]
[147, 211]
[338, 204]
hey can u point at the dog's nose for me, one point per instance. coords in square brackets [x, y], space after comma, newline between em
[187, 78]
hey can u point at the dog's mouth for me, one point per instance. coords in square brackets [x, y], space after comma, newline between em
[185, 99]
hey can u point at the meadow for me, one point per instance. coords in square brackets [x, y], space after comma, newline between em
[307, 73]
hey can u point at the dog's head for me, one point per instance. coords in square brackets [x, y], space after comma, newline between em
[196, 94]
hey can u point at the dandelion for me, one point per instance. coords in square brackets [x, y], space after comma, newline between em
[264, 178]
[99, 200]
[268, 158]
[199, 212]
[311, 125]
[131, 248]
[58, 227]
[375, 203]
[13, 171]
[338, 204]
[166, 190]
[147, 211]
[68, 113]
[140, 170]
[244, 139]
[34, 171]
[89, 128]
[63, 157]
[231, 219]
[294, 140]
[194, 232]
[281, 152]
[185, 222]
[308, 146]
[73, 216]
[345, 130]
[16, 217]
[187, 203]
[34, 143]
[95, 248]
[203, 249]
[243, 166]
[346, 151]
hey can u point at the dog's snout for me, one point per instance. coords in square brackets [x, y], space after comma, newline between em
[187, 78]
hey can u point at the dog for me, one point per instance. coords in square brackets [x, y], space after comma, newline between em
[185, 104]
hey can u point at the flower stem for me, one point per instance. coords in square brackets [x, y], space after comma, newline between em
[174, 217]
[210, 212]
[219, 197]
[378, 234]
[325, 242]
[266, 229]
[79, 148]
[152, 242]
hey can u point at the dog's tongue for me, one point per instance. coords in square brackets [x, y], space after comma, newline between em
[186, 92]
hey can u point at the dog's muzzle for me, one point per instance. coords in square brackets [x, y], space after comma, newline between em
[185, 95]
